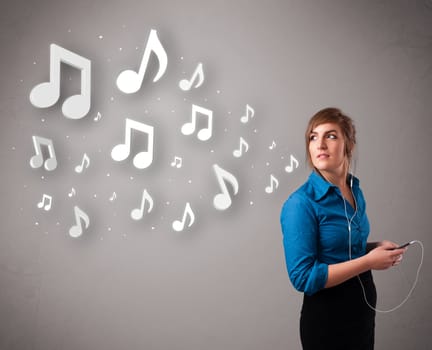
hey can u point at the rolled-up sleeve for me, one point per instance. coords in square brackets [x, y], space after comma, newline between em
[300, 240]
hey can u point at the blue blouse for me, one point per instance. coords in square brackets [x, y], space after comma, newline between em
[315, 231]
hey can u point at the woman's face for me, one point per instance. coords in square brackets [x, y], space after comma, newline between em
[327, 149]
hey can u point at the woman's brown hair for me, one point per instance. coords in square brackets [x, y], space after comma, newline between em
[332, 115]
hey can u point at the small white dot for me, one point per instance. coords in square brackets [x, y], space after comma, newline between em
[181, 57]
[218, 91]
[34, 62]
[190, 181]
[153, 227]
[168, 203]
[42, 120]
[251, 203]
[57, 223]
[109, 228]
[95, 196]
[255, 131]
[13, 148]
[112, 98]
[36, 223]
[212, 151]
[267, 163]
[120, 49]
[108, 175]
[131, 178]
[158, 98]
[69, 31]
[67, 136]
[42, 177]
[100, 37]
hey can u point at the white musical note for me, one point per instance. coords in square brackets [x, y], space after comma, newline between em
[274, 183]
[130, 81]
[239, 152]
[289, 168]
[121, 151]
[42, 204]
[72, 192]
[98, 117]
[47, 94]
[186, 85]
[223, 200]
[205, 133]
[273, 145]
[77, 230]
[137, 213]
[81, 167]
[178, 225]
[250, 112]
[113, 197]
[178, 161]
[37, 160]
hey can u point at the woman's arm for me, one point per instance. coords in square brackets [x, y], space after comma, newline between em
[380, 258]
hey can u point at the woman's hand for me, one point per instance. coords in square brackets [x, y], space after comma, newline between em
[385, 255]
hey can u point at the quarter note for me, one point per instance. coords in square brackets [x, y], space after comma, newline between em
[178, 225]
[198, 74]
[137, 213]
[250, 112]
[223, 200]
[274, 183]
[239, 152]
[77, 230]
[45, 198]
[289, 168]
[273, 145]
[47, 94]
[113, 197]
[205, 133]
[37, 160]
[81, 167]
[130, 81]
[121, 151]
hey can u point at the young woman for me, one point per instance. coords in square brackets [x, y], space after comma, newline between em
[325, 231]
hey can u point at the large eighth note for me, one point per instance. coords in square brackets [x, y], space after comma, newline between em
[121, 151]
[223, 200]
[137, 213]
[198, 74]
[77, 230]
[205, 133]
[37, 160]
[178, 225]
[130, 81]
[47, 94]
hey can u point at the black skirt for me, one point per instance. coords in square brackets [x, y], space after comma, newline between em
[339, 318]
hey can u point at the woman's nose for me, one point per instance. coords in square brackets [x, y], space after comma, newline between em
[322, 144]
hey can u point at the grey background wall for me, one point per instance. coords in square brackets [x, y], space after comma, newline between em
[221, 283]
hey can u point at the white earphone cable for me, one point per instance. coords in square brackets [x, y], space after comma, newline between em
[349, 221]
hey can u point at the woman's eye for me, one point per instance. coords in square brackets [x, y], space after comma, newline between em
[332, 136]
[312, 137]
